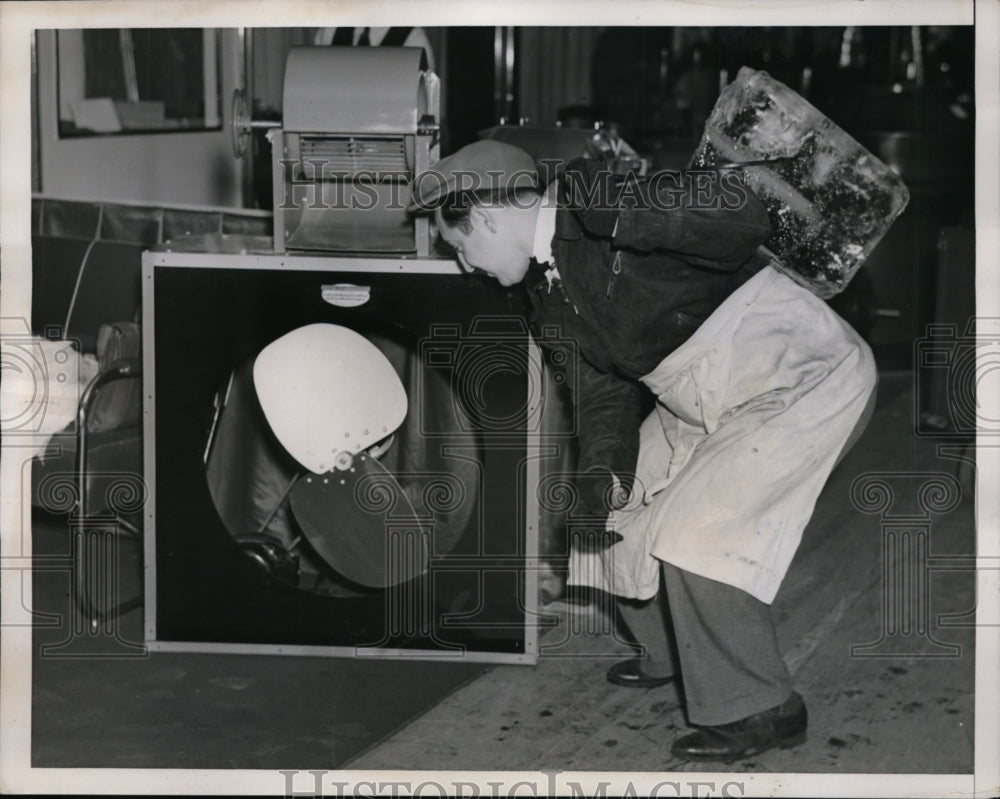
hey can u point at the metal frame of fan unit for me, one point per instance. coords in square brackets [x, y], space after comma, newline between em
[535, 447]
[316, 162]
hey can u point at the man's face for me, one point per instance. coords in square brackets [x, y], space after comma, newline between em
[489, 240]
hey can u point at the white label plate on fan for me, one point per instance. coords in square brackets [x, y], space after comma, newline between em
[346, 295]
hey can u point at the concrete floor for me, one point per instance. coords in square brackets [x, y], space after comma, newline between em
[912, 713]
[871, 711]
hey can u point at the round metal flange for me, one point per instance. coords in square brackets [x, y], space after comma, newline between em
[240, 123]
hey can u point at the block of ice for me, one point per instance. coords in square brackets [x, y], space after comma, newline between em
[829, 199]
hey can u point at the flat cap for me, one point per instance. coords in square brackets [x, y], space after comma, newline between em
[481, 166]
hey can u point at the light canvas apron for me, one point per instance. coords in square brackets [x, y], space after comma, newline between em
[752, 413]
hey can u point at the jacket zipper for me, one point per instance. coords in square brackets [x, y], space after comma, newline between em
[562, 290]
[616, 269]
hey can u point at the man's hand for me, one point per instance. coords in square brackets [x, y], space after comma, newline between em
[601, 491]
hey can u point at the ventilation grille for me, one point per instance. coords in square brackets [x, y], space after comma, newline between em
[335, 157]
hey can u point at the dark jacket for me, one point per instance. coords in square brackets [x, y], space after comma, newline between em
[628, 300]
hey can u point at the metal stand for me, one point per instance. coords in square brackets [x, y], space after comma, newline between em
[95, 551]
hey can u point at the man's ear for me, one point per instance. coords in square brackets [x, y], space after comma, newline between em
[464, 225]
[485, 217]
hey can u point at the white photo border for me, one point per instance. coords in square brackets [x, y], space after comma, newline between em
[17, 22]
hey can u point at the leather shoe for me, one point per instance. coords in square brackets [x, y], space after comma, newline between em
[783, 726]
[630, 674]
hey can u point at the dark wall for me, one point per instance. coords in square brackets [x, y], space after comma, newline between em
[469, 86]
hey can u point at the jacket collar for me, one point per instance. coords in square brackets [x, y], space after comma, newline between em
[545, 226]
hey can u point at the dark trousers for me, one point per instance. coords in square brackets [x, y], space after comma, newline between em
[730, 665]
[724, 639]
